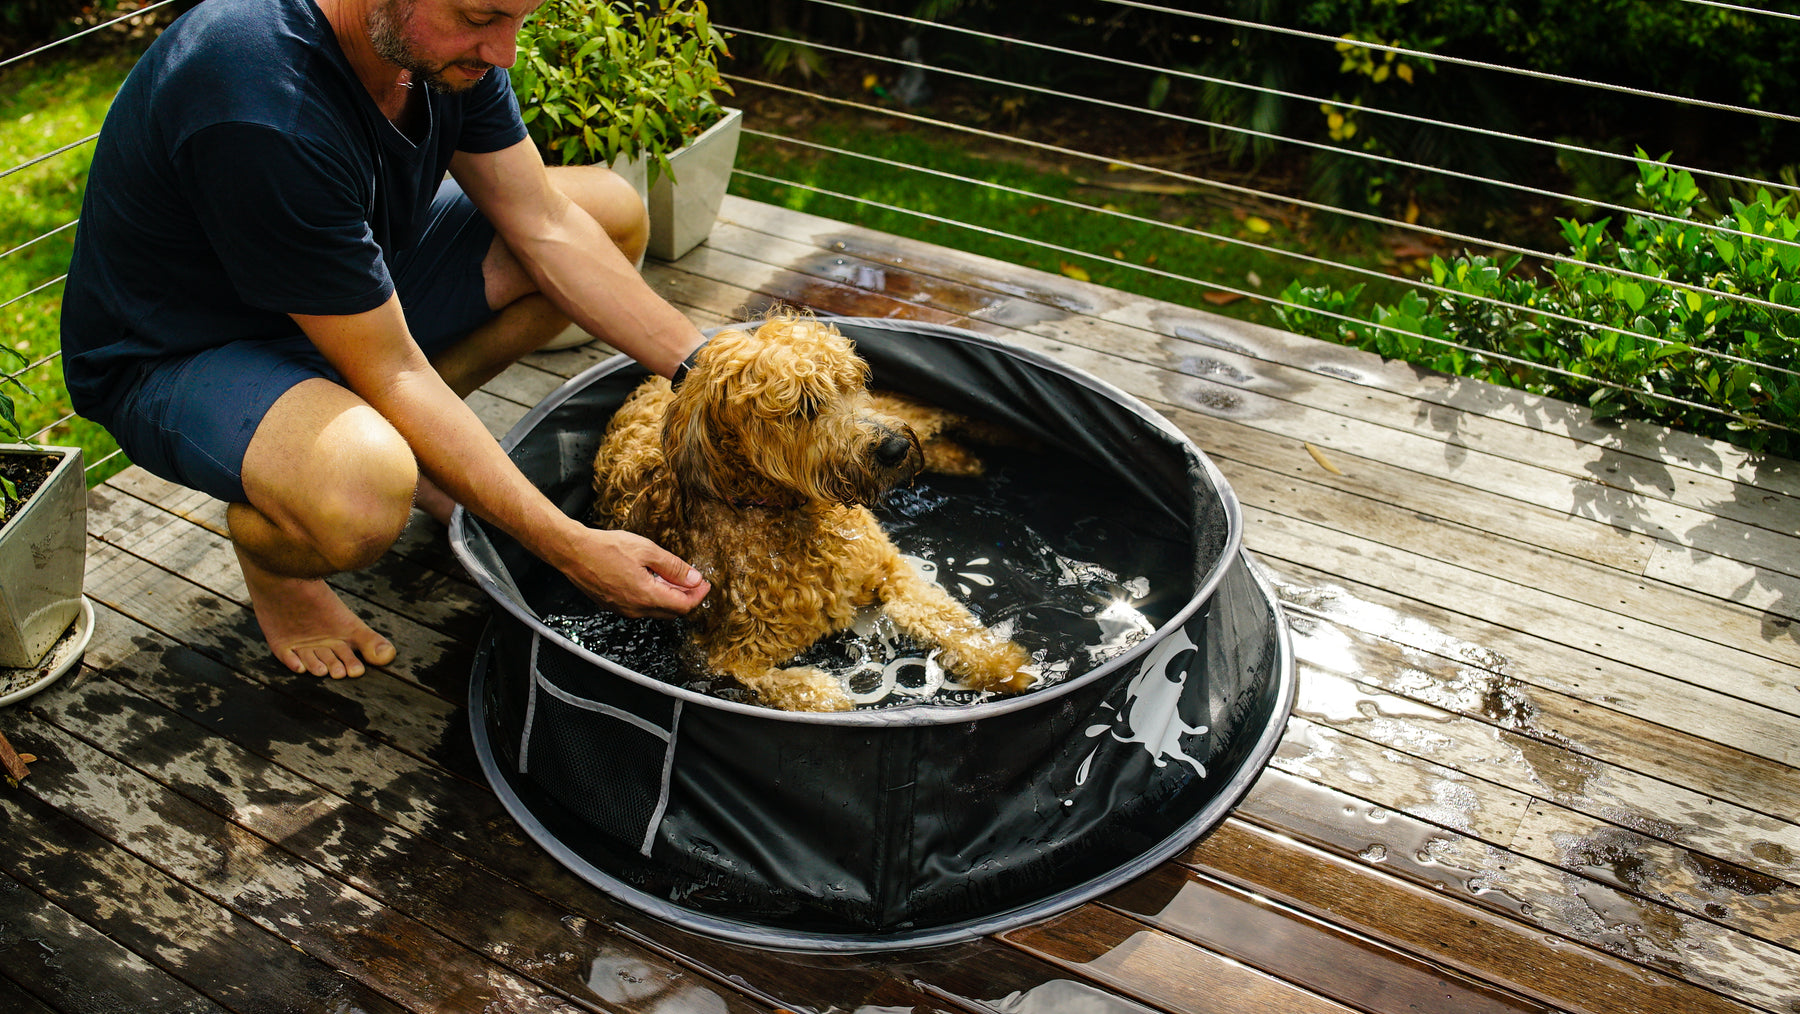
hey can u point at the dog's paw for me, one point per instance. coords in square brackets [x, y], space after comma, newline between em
[944, 456]
[990, 664]
[802, 688]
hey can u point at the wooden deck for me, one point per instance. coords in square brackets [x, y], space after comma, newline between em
[1544, 756]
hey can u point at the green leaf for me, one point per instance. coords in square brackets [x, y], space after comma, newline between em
[1631, 292]
[1159, 91]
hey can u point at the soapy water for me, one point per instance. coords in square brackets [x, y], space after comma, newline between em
[1064, 565]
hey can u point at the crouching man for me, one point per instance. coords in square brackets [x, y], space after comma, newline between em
[277, 298]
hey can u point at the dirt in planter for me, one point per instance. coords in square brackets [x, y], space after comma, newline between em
[26, 472]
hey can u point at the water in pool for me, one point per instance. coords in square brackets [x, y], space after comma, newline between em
[1069, 565]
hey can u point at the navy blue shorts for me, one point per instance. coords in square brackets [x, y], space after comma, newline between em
[190, 419]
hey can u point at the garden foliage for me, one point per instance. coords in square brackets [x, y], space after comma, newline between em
[1667, 332]
[601, 80]
[1716, 53]
[10, 430]
[28, 24]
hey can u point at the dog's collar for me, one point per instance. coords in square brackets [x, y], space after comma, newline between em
[682, 368]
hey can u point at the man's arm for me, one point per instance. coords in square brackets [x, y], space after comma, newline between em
[381, 363]
[571, 257]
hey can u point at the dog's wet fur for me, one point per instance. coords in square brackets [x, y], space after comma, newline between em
[759, 470]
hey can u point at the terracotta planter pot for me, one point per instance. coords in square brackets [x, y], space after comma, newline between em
[43, 558]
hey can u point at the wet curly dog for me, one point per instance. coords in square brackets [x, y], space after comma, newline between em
[757, 470]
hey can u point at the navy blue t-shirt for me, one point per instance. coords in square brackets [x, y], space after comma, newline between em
[244, 173]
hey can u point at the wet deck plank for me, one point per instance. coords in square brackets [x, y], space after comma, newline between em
[1544, 756]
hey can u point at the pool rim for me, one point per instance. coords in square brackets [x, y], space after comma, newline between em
[905, 715]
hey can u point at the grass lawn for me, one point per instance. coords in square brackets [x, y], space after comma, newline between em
[42, 108]
[1246, 249]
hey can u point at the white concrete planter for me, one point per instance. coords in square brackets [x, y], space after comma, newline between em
[682, 210]
[43, 559]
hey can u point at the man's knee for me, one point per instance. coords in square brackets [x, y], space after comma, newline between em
[332, 473]
[360, 514]
[613, 202]
[356, 530]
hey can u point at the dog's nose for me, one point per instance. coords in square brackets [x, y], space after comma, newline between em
[893, 449]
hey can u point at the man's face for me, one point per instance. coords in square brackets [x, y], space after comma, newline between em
[448, 44]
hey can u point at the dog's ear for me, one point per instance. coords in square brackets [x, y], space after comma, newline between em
[745, 388]
[691, 428]
[794, 367]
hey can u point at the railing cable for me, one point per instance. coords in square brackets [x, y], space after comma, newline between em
[39, 434]
[44, 360]
[33, 291]
[38, 239]
[1247, 244]
[140, 12]
[94, 466]
[1484, 354]
[1317, 145]
[1310, 100]
[1472, 242]
[72, 145]
[1740, 9]
[1460, 61]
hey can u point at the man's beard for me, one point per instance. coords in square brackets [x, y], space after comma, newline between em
[387, 35]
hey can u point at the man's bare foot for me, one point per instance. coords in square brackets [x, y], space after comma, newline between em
[433, 501]
[309, 628]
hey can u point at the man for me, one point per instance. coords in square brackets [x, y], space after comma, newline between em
[267, 303]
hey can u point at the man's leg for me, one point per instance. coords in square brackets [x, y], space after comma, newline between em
[524, 319]
[330, 486]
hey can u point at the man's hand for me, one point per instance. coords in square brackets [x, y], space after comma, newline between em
[632, 575]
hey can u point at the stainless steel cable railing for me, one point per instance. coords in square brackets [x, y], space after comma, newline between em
[1295, 255]
[1726, 231]
[1490, 243]
[1311, 100]
[1724, 107]
[17, 378]
[67, 39]
[1214, 286]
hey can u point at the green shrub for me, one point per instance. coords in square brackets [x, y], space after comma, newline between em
[10, 431]
[1667, 338]
[1715, 53]
[600, 80]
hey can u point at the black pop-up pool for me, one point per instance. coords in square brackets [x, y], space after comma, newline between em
[1109, 549]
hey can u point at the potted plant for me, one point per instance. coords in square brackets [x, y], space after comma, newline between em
[43, 551]
[635, 85]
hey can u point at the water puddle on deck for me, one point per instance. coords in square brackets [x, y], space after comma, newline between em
[1066, 566]
[1623, 883]
[1063, 996]
[630, 981]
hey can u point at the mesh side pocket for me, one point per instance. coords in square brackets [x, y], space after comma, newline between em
[595, 752]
